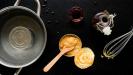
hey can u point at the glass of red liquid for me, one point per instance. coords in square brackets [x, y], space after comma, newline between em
[76, 14]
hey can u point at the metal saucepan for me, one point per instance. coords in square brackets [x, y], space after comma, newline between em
[23, 36]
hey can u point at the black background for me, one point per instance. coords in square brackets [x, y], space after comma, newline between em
[55, 16]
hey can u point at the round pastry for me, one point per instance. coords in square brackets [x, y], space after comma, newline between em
[70, 41]
[84, 58]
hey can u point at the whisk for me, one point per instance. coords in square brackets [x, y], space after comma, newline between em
[114, 47]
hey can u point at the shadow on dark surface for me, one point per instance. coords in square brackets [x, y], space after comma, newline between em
[55, 16]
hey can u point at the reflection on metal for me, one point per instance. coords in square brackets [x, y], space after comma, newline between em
[103, 22]
[114, 47]
[20, 38]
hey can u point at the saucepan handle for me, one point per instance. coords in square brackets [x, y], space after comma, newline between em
[38, 6]
[18, 71]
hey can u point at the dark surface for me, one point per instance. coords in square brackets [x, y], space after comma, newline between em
[56, 18]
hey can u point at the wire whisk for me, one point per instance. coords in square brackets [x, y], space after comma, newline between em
[114, 47]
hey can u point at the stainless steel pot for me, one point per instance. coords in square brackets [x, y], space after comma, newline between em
[23, 35]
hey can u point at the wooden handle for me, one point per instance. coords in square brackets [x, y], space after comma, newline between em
[49, 65]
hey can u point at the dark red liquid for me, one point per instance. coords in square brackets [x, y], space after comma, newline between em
[76, 14]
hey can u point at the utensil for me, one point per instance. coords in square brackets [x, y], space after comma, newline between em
[49, 65]
[114, 47]
[22, 36]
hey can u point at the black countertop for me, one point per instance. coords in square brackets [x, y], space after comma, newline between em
[55, 17]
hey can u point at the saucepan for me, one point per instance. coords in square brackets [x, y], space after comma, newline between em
[23, 36]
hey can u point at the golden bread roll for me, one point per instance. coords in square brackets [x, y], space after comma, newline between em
[84, 58]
